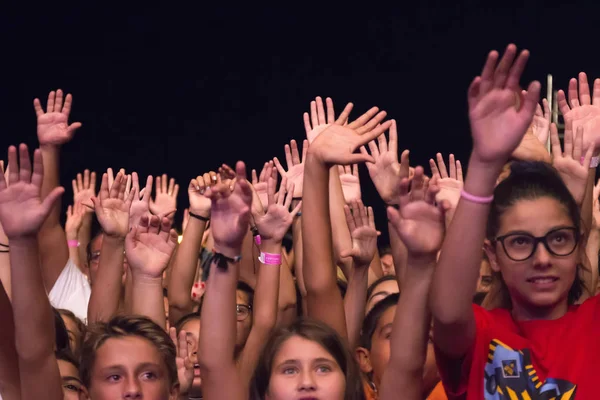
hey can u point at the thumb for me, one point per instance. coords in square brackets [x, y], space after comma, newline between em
[356, 158]
[347, 253]
[51, 199]
[394, 218]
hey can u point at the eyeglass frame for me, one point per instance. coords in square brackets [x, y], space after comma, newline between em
[238, 306]
[539, 239]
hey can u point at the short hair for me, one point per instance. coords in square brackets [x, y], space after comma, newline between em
[185, 319]
[372, 319]
[244, 287]
[373, 285]
[61, 336]
[67, 356]
[126, 326]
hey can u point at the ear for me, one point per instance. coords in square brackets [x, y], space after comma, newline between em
[174, 395]
[490, 252]
[364, 360]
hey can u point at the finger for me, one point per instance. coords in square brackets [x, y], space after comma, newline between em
[128, 185]
[320, 111]
[67, 106]
[584, 90]
[373, 123]
[147, 190]
[133, 194]
[367, 137]
[394, 217]
[288, 156]
[362, 212]
[289, 195]
[58, 103]
[24, 170]
[51, 199]
[270, 192]
[330, 110]
[365, 119]
[561, 99]
[282, 191]
[341, 170]
[452, 166]
[578, 144]
[382, 142]
[298, 207]
[555, 141]
[154, 225]
[314, 119]
[349, 219]
[103, 194]
[144, 223]
[596, 93]
[435, 172]
[80, 182]
[304, 149]
[504, 66]
[373, 149]
[50, 104]
[486, 80]
[111, 177]
[588, 157]
[263, 174]
[441, 165]
[74, 184]
[135, 181]
[531, 99]
[573, 93]
[69, 211]
[355, 170]
[343, 118]
[116, 187]
[165, 228]
[568, 144]
[546, 106]
[123, 188]
[514, 76]
[431, 192]
[405, 164]
[371, 216]
[37, 176]
[295, 154]
[183, 348]
[37, 106]
[306, 119]
[173, 336]
[360, 158]
[459, 171]
[93, 181]
[393, 142]
[164, 180]
[255, 177]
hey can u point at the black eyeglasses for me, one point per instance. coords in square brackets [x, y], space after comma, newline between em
[242, 311]
[520, 246]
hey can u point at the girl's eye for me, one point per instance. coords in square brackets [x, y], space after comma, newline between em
[71, 387]
[114, 378]
[323, 369]
[289, 371]
[149, 375]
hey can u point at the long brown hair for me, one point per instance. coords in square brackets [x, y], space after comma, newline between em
[317, 332]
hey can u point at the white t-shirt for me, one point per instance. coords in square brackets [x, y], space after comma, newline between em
[71, 291]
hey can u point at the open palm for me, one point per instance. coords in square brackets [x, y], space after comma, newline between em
[361, 223]
[53, 125]
[149, 246]
[112, 209]
[421, 227]
[274, 224]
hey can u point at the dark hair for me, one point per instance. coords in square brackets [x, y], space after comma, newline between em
[127, 326]
[61, 334]
[314, 331]
[79, 323]
[342, 286]
[244, 287]
[384, 278]
[385, 250]
[68, 356]
[530, 180]
[184, 320]
[372, 319]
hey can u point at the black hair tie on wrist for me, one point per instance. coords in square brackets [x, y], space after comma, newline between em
[200, 217]
[221, 261]
[4, 245]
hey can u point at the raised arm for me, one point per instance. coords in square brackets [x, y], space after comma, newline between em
[420, 225]
[497, 128]
[335, 145]
[185, 260]
[10, 382]
[149, 247]
[84, 188]
[112, 211]
[22, 212]
[230, 216]
[53, 130]
[75, 216]
[361, 224]
[272, 227]
[449, 180]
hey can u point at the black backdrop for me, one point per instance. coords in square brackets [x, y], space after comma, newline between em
[180, 90]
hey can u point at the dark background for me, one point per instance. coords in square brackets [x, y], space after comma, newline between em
[181, 90]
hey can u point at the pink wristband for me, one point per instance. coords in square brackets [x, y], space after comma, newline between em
[73, 243]
[594, 162]
[476, 199]
[257, 240]
[270, 258]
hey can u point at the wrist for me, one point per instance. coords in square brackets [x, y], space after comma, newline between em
[228, 251]
[270, 246]
[139, 276]
[423, 260]
[481, 178]
[72, 235]
[202, 212]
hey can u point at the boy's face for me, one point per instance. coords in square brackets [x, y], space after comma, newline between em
[130, 367]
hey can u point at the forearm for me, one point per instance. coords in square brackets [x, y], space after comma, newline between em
[9, 361]
[287, 302]
[324, 301]
[375, 265]
[51, 160]
[147, 298]
[84, 237]
[588, 201]
[184, 267]
[342, 240]
[410, 334]
[459, 263]
[5, 272]
[399, 254]
[108, 287]
[267, 290]
[74, 251]
[298, 262]
[355, 303]
[592, 250]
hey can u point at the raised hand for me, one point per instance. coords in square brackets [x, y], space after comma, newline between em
[259, 183]
[75, 215]
[418, 185]
[112, 208]
[540, 126]
[350, 182]
[149, 246]
[53, 125]
[361, 224]
[295, 166]
[22, 212]
[582, 109]
[185, 366]
[84, 188]
[338, 143]
[274, 224]
[450, 184]
[165, 197]
[199, 203]
[596, 206]
[569, 165]
[318, 121]
[420, 223]
[385, 171]
[140, 205]
[230, 213]
[498, 112]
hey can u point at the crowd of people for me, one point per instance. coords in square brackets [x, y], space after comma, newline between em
[279, 288]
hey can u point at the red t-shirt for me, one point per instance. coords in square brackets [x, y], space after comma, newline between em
[542, 359]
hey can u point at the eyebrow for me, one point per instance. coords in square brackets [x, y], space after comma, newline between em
[70, 378]
[521, 232]
[386, 326]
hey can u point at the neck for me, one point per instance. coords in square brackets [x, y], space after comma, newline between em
[528, 312]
